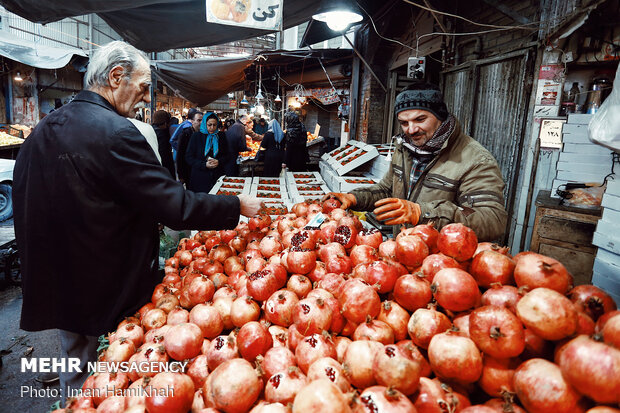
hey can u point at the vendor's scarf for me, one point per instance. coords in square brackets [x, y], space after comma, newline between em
[274, 126]
[212, 138]
[422, 155]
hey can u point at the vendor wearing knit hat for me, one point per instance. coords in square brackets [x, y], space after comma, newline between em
[437, 173]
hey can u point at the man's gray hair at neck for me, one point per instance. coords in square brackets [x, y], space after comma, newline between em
[104, 59]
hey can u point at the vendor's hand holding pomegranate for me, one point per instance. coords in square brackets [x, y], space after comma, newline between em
[347, 200]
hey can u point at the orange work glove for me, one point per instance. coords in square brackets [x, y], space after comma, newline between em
[347, 200]
[397, 211]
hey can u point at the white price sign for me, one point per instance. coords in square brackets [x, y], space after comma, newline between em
[259, 14]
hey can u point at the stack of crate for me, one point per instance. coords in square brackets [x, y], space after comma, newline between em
[581, 160]
[606, 271]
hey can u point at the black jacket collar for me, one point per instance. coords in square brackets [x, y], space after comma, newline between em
[93, 97]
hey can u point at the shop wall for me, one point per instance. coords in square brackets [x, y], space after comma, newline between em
[25, 104]
[371, 105]
[61, 84]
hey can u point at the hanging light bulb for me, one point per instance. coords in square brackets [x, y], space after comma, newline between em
[277, 99]
[18, 77]
[259, 95]
[244, 101]
[260, 109]
[338, 14]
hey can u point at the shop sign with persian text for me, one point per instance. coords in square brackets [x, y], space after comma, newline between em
[259, 14]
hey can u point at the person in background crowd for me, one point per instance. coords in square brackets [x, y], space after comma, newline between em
[274, 144]
[161, 122]
[184, 170]
[235, 137]
[206, 154]
[437, 173]
[138, 117]
[229, 122]
[174, 137]
[88, 194]
[250, 125]
[296, 153]
[261, 127]
[174, 124]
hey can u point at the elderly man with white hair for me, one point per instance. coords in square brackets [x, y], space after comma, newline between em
[88, 195]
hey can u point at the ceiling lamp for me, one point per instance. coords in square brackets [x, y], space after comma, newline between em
[338, 14]
[18, 77]
[277, 99]
[244, 101]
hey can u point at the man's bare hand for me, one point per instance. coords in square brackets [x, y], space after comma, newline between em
[249, 205]
[347, 200]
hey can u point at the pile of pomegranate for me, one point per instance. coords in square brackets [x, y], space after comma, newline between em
[275, 316]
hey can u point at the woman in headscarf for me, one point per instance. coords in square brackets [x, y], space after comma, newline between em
[296, 153]
[274, 143]
[207, 153]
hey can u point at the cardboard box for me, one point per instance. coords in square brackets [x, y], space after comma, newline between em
[581, 118]
[232, 186]
[581, 138]
[607, 277]
[586, 168]
[586, 149]
[578, 158]
[606, 242]
[575, 176]
[613, 187]
[575, 128]
[354, 155]
[611, 201]
[610, 215]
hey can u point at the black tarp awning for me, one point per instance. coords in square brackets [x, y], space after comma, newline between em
[204, 80]
[156, 25]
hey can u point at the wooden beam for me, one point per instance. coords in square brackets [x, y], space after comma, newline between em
[502, 8]
[441, 26]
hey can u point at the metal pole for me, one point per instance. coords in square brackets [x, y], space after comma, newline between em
[372, 72]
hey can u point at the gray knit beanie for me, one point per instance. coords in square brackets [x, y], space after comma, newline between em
[422, 95]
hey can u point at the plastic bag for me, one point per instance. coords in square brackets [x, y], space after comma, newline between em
[604, 127]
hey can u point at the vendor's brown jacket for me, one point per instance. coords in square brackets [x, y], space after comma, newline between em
[463, 183]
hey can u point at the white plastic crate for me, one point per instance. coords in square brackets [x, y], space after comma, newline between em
[232, 186]
[350, 156]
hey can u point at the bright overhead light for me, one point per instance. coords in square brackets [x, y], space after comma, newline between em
[277, 99]
[338, 20]
[18, 77]
[244, 101]
[260, 109]
[259, 95]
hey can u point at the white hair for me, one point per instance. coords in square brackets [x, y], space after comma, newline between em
[107, 57]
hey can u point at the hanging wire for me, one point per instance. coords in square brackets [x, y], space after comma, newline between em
[525, 26]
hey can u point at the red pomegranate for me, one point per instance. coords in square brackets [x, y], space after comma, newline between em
[396, 317]
[387, 249]
[363, 254]
[593, 368]
[330, 204]
[426, 323]
[374, 330]
[312, 348]
[253, 339]
[497, 331]
[457, 241]
[532, 381]
[312, 316]
[320, 396]
[454, 357]
[371, 237]
[171, 393]
[221, 349]
[358, 300]
[490, 267]
[183, 341]
[330, 369]
[455, 289]
[412, 292]
[357, 362]
[283, 387]
[503, 296]
[383, 399]
[592, 300]
[233, 386]
[497, 375]
[392, 368]
[435, 262]
[547, 313]
[411, 251]
[345, 235]
[276, 360]
[538, 271]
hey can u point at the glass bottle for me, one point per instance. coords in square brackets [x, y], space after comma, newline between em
[573, 93]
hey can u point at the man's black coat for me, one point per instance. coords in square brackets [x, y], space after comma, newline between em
[88, 194]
